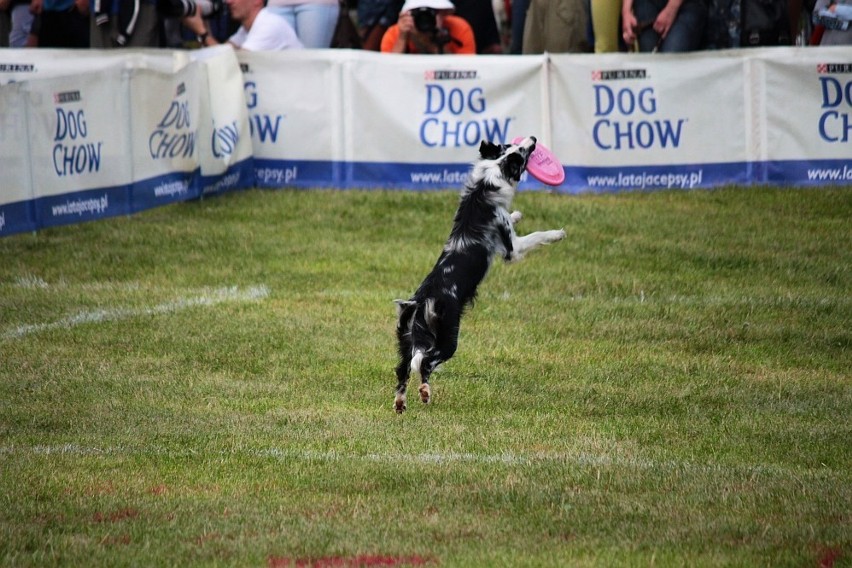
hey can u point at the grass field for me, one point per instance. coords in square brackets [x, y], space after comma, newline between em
[211, 383]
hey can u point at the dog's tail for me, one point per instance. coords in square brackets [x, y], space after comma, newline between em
[416, 361]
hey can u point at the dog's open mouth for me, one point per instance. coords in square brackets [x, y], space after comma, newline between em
[528, 144]
[510, 158]
[513, 168]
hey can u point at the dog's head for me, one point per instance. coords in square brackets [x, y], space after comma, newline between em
[499, 169]
[510, 158]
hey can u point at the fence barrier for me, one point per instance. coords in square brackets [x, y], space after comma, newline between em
[87, 134]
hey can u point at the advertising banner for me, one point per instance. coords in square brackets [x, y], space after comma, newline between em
[806, 109]
[79, 152]
[164, 125]
[224, 139]
[16, 193]
[645, 121]
[294, 109]
[417, 122]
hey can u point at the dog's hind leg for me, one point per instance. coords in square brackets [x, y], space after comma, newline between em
[445, 348]
[401, 386]
[424, 361]
[406, 311]
[418, 369]
[522, 245]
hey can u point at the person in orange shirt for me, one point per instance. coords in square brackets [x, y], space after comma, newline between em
[429, 26]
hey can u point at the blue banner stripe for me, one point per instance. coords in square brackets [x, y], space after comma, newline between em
[88, 205]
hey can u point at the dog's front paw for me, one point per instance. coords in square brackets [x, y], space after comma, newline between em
[516, 216]
[555, 236]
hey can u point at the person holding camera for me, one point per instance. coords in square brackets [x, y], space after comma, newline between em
[836, 17]
[260, 28]
[429, 26]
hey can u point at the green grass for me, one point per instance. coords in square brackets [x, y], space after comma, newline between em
[211, 383]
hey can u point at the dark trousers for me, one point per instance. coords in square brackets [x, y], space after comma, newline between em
[146, 34]
[64, 29]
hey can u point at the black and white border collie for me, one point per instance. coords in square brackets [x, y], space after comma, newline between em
[428, 327]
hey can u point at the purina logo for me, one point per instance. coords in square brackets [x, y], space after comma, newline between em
[826, 68]
[67, 97]
[449, 75]
[17, 68]
[619, 74]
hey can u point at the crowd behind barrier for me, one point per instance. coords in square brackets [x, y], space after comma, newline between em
[91, 134]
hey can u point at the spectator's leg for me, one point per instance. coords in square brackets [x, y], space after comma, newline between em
[315, 24]
[22, 20]
[605, 18]
[687, 32]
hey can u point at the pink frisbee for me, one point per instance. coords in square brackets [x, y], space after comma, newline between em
[543, 165]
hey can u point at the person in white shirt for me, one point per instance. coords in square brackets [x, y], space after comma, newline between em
[260, 28]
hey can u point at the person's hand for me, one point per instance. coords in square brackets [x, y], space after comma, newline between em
[35, 6]
[194, 23]
[409, 32]
[628, 27]
[665, 20]
[406, 24]
[82, 6]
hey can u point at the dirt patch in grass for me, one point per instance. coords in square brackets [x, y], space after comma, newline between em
[118, 516]
[363, 560]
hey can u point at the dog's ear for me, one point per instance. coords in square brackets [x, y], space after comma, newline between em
[489, 151]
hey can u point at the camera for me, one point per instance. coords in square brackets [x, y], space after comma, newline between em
[425, 20]
[183, 8]
[830, 20]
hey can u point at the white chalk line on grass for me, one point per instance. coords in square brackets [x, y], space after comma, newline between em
[509, 459]
[207, 298]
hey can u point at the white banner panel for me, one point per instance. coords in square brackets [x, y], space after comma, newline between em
[806, 108]
[649, 121]
[294, 101]
[16, 197]
[164, 124]
[79, 146]
[25, 64]
[417, 122]
[226, 153]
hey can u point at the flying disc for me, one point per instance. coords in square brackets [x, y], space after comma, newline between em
[543, 165]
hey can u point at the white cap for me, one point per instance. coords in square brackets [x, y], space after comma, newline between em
[434, 4]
